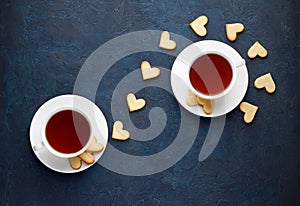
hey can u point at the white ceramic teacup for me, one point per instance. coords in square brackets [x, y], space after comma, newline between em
[220, 49]
[45, 144]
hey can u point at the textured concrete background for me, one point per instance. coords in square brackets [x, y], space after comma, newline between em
[43, 46]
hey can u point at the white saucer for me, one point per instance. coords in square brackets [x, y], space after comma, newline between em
[179, 76]
[97, 120]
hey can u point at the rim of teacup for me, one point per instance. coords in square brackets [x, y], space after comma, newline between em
[47, 144]
[226, 90]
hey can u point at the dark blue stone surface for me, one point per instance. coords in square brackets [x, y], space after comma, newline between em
[43, 46]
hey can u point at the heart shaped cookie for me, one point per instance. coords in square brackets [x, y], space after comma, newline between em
[266, 81]
[134, 104]
[233, 29]
[191, 100]
[206, 104]
[95, 146]
[87, 157]
[75, 162]
[249, 110]
[194, 100]
[257, 49]
[149, 72]
[118, 132]
[198, 25]
[166, 42]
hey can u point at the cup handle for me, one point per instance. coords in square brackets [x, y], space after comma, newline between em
[39, 146]
[241, 63]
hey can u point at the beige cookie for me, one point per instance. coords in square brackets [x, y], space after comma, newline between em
[191, 93]
[149, 72]
[249, 110]
[266, 81]
[166, 42]
[191, 101]
[233, 29]
[133, 103]
[206, 104]
[87, 157]
[198, 25]
[75, 162]
[257, 50]
[118, 132]
[95, 146]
